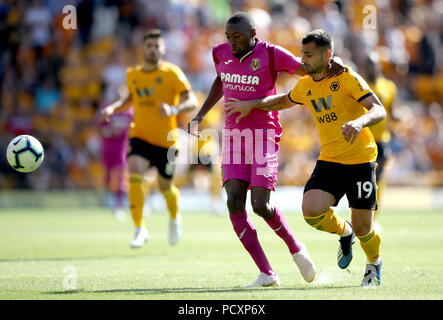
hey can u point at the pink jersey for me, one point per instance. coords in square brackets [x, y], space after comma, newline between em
[253, 77]
[250, 151]
[115, 138]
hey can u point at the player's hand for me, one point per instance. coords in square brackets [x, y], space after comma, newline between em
[336, 67]
[238, 106]
[193, 126]
[351, 130]
[106, 113]
[165, 110]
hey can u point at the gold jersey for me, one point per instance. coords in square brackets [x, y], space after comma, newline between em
[333, 102]
[148, 89]
[386, 90]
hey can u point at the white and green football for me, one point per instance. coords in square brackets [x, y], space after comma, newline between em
[25, 153]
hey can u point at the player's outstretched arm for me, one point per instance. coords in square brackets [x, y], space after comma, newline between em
[376, 113]
[187, 102]
[214, 95]
[118, 106]
[271, 103]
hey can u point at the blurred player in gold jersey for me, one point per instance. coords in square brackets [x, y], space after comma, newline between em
[206, 169]
[159, 91]
[343, 107]
[386, 90]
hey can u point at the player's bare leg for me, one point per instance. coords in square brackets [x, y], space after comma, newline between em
[315, 202]
[236, 191]
[318, 213]
[260, 202]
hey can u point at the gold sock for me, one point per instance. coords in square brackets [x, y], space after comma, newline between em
[371, 243]
[172, 196]
[136, 199]
[328, 222]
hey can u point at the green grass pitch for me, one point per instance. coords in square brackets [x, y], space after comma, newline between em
[83, 253]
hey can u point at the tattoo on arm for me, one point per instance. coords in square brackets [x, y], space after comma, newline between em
[276, 105]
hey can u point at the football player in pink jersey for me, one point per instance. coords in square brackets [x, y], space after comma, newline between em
[247, 68]
[114, 135]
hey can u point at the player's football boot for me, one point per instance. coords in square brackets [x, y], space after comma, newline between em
[344, 255]
[175, 230]
[264, 280]
[141, 236]
[305, 264]
[372, 275]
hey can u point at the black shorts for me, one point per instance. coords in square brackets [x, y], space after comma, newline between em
[384, 152]
[157, 156]
[356, 181]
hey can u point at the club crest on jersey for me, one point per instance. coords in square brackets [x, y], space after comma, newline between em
[145, 92]
[334, 86]
[255, 64]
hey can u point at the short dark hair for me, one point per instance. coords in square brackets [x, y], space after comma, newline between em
[321, 39]
[152, 34]
[243, 18]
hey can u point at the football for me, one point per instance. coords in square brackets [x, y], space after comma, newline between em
[25, 153]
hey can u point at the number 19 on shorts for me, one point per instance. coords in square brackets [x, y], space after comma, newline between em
[364, 187]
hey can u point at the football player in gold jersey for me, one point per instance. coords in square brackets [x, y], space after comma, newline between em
[343, 107]
[386, 91]
[158, 91]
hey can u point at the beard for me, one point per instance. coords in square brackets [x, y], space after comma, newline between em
[240, 54]
[152, 59]
[314, 69]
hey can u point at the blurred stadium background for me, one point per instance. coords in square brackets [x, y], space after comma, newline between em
[53, 80]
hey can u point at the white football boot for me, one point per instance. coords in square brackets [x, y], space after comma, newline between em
[175, 230]
[305, 264]
[264, 280]
[141, 236]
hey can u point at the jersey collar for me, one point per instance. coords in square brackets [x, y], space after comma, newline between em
[257, 41]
